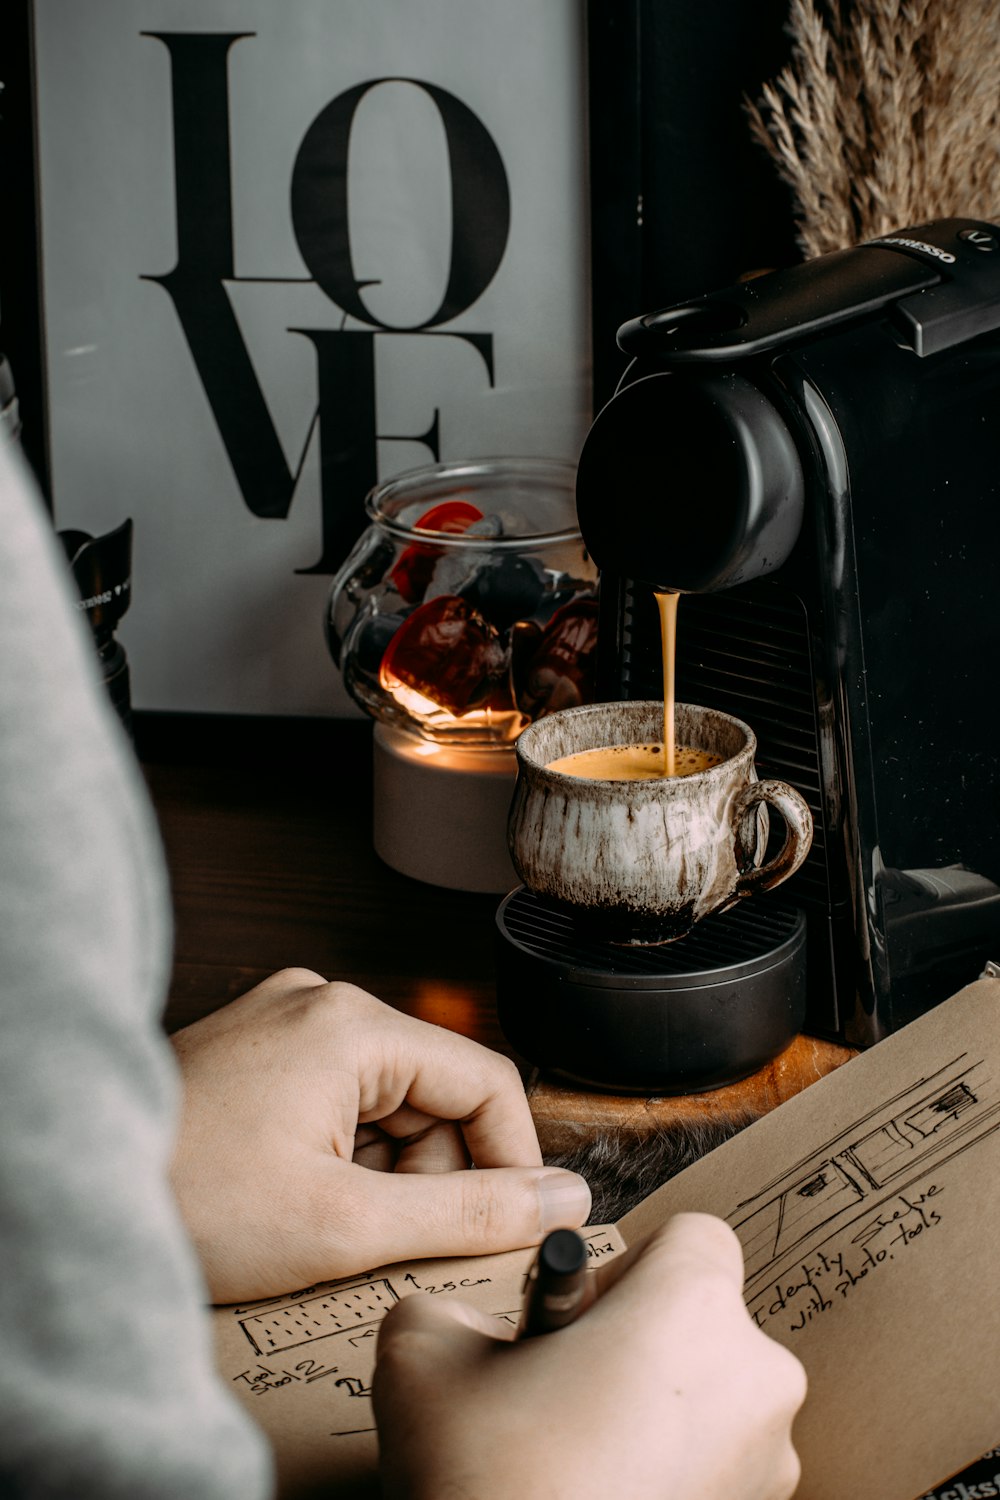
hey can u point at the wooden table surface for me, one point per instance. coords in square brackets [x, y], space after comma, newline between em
[267, 830]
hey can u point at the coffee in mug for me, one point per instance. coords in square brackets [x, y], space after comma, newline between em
[641, 859]
[633, 762]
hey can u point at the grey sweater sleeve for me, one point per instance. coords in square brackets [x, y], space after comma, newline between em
[107, 1387]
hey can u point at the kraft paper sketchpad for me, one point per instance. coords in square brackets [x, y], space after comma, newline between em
[868, 1208]
[303, 1363]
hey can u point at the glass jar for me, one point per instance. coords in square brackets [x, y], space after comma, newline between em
[469, 605]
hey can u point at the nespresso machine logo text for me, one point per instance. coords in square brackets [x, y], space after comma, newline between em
[934, 251]
[346, 407]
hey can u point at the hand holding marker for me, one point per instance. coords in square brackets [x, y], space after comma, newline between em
[557, 1284]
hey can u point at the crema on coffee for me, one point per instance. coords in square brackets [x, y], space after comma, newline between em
[633, 762]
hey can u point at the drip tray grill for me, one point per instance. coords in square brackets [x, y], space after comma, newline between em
[744, 934]
[680, 1017]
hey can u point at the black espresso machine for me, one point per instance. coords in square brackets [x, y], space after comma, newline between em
[812, 458]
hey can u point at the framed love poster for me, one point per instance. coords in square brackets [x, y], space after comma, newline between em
[283, 252]
[263, 256]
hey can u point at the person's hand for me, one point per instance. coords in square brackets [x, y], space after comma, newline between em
[293, 1093]
[664, 1388]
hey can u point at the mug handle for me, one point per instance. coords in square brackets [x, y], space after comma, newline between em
[798, 833]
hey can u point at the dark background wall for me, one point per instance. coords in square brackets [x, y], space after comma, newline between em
[682, 199]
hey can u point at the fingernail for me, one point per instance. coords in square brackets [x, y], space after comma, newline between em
[563, 1200]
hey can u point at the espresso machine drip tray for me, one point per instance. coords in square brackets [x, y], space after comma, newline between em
[677, 1018]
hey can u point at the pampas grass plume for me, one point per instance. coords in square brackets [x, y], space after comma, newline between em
[887, 115]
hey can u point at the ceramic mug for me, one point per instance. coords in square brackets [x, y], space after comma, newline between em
[643, 861]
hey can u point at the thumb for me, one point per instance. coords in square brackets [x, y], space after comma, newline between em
[428, 1350]
[402, 1216]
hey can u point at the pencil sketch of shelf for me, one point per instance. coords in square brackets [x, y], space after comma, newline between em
[349, 1311]
[889, 1151]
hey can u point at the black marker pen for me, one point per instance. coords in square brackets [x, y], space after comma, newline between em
[556, 1284]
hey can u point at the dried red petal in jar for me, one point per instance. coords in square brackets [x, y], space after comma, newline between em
[560, 671]
[412, 571]
[446, 651]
